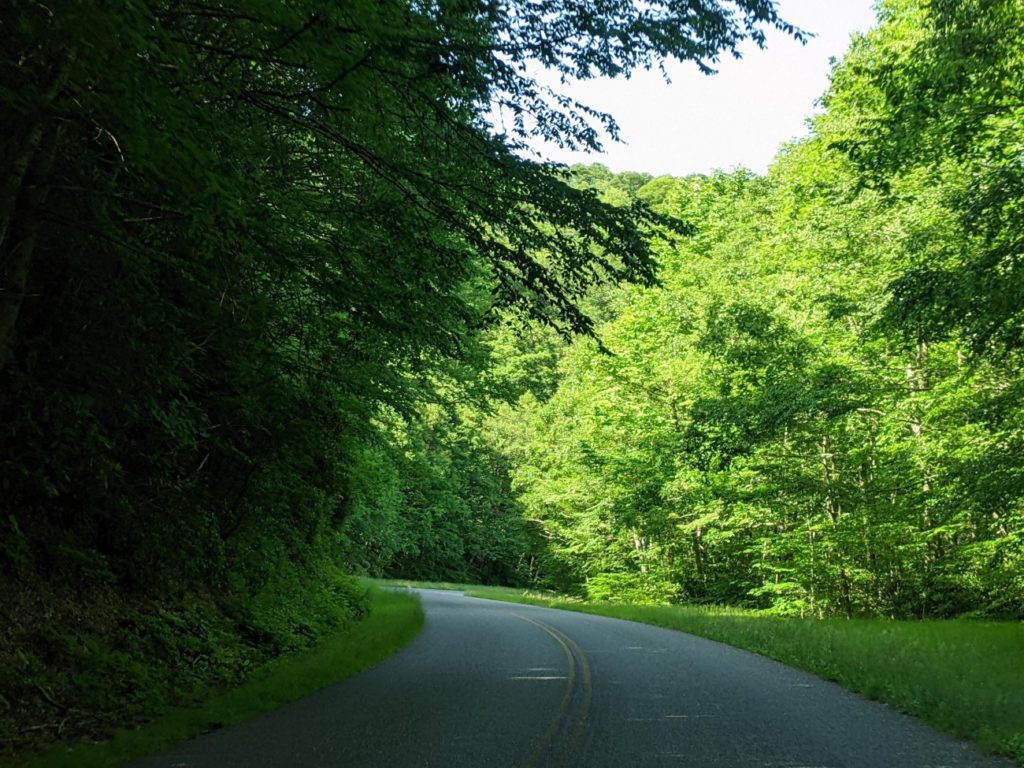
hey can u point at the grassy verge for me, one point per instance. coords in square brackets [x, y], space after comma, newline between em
[963, 677]
[394, 619]
[512, 594]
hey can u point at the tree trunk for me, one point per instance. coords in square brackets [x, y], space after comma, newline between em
[18, 259]
[32, 162]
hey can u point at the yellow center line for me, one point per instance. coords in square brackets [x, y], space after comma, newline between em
[584, 710]
[570, 683]
[572, 652]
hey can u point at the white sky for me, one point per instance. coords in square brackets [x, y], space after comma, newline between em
[738, 117]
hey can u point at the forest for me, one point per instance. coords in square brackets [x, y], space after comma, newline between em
[286, 297]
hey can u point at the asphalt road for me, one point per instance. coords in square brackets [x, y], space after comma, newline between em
[498, 684]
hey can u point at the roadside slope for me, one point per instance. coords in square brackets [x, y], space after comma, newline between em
[393, 621]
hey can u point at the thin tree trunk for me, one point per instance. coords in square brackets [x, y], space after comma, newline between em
[25, 155]
[698, 557]
[32, 161]
[18, 264]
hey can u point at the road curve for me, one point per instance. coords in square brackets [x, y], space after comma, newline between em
[498, 684]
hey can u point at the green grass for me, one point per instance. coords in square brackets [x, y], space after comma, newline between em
[512, 594]
[394, 619]
[963, 677]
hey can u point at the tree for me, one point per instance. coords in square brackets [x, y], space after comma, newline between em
[929, 106]
[289, 214]
[758, 433]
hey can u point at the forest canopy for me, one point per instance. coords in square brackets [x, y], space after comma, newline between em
[819, 409]
[233, 233]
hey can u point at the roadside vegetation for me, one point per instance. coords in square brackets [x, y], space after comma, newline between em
[963, 677]
[390, 621]
[283, 300]
[816, 412]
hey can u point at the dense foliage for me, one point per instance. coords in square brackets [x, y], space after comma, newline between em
[284, 295]
[247, 253]
[820, 409]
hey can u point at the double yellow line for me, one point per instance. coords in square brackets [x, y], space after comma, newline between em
[564, 724]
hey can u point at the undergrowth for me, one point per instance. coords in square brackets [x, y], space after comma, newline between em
[76, 666]
[391, 621]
